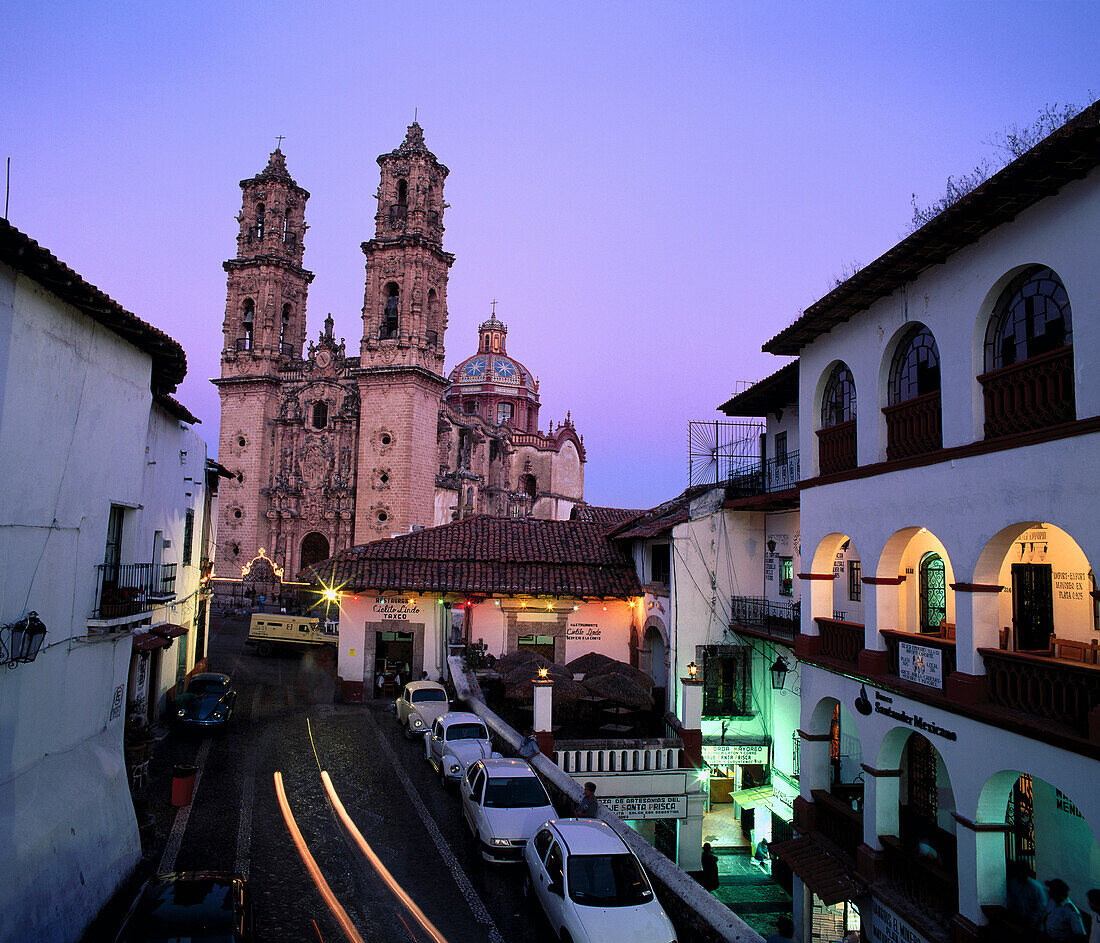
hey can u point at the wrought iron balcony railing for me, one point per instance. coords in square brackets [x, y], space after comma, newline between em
[776, 474]
[773, 618]
[127, 589]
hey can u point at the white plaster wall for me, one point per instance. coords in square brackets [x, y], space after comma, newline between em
[954, 300]
[74, 407]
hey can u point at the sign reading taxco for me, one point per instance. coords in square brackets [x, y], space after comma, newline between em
[920, 664]
[735, 754]
[646, 807]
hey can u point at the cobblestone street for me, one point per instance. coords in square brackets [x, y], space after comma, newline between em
[285, 722]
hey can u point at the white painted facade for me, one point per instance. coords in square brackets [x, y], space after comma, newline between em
[983, 508]
[78, 429]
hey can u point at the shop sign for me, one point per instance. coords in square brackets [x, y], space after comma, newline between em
[646, 807]
[885, 705]
[888, 927]
[396, 609]
[583, 630]
[920, 664]
[735, 754]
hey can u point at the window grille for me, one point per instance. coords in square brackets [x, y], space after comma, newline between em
[916, 367]
[1031, 317]
[855, 580]
[727, 680]
[839, 402]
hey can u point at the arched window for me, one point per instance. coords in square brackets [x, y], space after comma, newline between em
[504, 412]
[529, 485]
[839, 402]
[286, 223]
[314, 550]
[390, 317]
[933, 593]
[284, 325]
[434, 326]
[248, 316]
[402, 193]
[259, 220]
[1031, 317]
[916, 367]
[320, 415]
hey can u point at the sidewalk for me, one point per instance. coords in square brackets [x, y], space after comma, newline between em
[750, 892]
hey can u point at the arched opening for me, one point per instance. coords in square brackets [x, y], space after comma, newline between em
[284, 328]
[435, 328]
[248, 317]
[653, 657]
[1028, 383]
[260, 214]
[1046, 834]
[390, 314]
[402, 193]
[320, 415]
[529, 485]
[837, 433]
[913, 424]
[314, 549]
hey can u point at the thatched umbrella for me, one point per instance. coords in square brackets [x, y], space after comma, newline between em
[594, 664]
[621, 688]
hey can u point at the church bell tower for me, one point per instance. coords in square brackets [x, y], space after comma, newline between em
[401, 355]
[264, 329]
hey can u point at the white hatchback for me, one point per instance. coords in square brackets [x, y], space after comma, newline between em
[420, 703]
[503, 802]
[591, 886]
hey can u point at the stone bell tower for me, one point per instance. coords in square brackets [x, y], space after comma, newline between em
[401, 355]
[264, 329]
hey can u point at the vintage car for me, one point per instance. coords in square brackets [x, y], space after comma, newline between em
[195, 905]
[503, 802]
[456, 740]
[591, 886]
[207, 702]
[420, 703]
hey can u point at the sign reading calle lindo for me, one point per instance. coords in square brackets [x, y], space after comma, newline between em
[734, 754]
[920, 664]
[398, 609]
[646, 807]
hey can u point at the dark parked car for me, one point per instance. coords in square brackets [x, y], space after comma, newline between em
[194, 905]
[207, 702]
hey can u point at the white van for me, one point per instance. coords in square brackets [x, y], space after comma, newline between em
[269, 631]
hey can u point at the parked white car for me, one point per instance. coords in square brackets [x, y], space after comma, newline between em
[456, 740]
[503, 802]
[591, 886]
[420, 703]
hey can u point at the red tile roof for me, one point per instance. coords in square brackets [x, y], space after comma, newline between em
[488, 555]
[595, 515]
[822, 870]
[778, 391]
[661, 519]
[1068, 154]
[25, 255]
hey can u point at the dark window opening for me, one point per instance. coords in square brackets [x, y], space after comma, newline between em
[916, 367]
[402, 193]
[529, 485]
[390, 317]
[284, 325]
[727, 679]
[780, 448]
[314, 549]
[855, 580]
[1032, 606]
[259, 220]
[320, 415]
[1032, 317]
[471, 407]
[659, 563]
[248, 316]
[839, 402]
[505, 412]
[188, 535]
[786, 576]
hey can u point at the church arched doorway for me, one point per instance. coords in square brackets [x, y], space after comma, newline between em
[314, 550]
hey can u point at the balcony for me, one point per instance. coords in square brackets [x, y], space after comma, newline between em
[931, 887]
[838, 822]
[913, 427]
[286, 350]
[841, 642]
[929, 658]
[1034, 394]
[776, 474]
[133, 588]
[398, 216]
[837, 447]
[244, 343]
[1050, 691]
[760, 616]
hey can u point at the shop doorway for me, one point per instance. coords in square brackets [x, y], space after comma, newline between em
[1032, 606]
[393, 656]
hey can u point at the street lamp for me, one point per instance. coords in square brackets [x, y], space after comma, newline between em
[778, 671]
[693, 670]
[24, 639]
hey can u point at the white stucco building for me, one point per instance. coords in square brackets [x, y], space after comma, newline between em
[103, 527]
[949, 432]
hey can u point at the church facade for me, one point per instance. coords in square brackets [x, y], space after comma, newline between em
[330, 449]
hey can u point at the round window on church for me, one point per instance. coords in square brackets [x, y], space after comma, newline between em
[386, 439]
[237, 513]
[240, 442]
[383, 517]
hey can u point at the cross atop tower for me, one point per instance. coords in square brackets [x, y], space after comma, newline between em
[279, 138]
[494, 304]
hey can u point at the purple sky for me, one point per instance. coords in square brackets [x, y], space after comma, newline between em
[649, 190]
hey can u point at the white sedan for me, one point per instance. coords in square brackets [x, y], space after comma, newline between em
[503, 802]
[591, 887]
[456, 740]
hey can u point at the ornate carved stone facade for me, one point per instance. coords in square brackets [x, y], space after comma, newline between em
[329, 450]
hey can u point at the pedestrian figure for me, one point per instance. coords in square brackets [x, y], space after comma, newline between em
[1094, 908]
[1024, 896]
[586, 808]
[710, 868]
[1064, 923]
[760, 854]
[530, 746]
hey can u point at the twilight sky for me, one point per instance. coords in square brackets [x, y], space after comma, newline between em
[649, 190]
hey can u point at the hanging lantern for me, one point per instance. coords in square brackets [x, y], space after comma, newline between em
[778, 671]
[24, 639]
